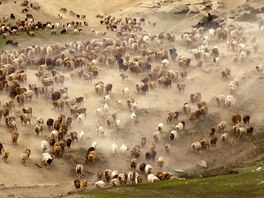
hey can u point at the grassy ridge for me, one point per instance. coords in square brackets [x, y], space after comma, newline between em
[245, 184]
[249, 183]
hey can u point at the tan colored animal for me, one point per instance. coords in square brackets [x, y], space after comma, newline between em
[124, 76]
[91, 156]
[27, 111]
[99, 88]
[25, 155]
[14, 137]
[80, 183]
[153, 85]
[5, 154]
[172, 116]
[133, 164]
[25, 118]
[205, 144]
[239, 131]
[181, 88]
[58, 104]
[163, 176]
[196, 97]
[29, 94]
[20, 90]
[115, 182]
[222, 126]
[110, 120]
[224, 137]
[79, 169]
[196, 146]
[220, 100]
[160, 162]
[38, 129]
[99, 175]
[186, 109]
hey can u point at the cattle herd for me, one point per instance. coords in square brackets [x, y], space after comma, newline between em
[145, 65]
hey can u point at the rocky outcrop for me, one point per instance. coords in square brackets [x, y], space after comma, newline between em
[175, 8]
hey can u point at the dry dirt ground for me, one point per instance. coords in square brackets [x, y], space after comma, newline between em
[29, 180]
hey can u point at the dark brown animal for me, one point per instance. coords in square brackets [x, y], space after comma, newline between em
[167, 82]
[213, 141]
[79, 100]
[226, 73]
[250, 130]
[108, 88]
[68, 143]
[148, 156]
[1, 147]
[212, 132]
[246, 119]
[49, 123]
[236, 119]
[142, 167]
[52, 142]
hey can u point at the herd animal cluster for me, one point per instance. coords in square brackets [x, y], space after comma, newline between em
[134, 53]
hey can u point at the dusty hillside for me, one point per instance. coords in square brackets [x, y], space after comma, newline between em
[30, 180]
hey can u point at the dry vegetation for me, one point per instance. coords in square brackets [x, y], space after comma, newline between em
[33, 179]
